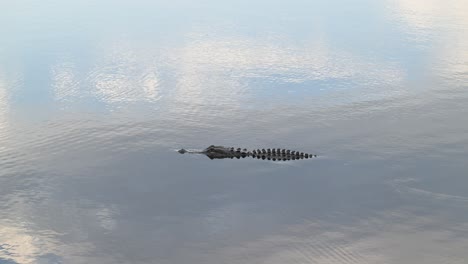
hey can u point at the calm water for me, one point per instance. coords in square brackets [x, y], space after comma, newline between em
[95, 96]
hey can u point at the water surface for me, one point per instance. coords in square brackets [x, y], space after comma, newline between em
[95, 98]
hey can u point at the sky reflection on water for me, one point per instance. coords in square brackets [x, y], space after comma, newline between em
[95, 98]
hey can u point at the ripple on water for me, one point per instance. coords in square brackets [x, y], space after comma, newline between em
[407, 188]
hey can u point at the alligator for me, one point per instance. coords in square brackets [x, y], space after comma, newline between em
[220, 152]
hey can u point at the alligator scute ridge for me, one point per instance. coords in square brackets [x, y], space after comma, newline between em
[275, 154]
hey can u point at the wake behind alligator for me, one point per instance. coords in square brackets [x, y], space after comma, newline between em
[220, 152]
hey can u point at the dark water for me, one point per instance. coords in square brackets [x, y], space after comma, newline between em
[95, 96]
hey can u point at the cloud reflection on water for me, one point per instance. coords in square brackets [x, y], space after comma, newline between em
[64, 83]
[240, 60]
[443, 23]
[34, 230]
[223, 71]
[287, 62]
[391, 237]
[123, 76]
[17, 245]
